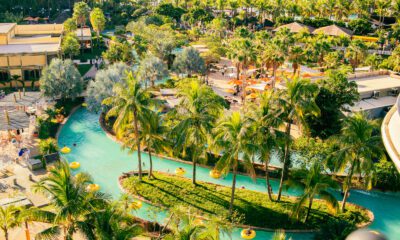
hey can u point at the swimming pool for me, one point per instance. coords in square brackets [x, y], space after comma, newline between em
[104, 160]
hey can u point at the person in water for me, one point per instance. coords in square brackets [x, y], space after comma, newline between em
[74, 144]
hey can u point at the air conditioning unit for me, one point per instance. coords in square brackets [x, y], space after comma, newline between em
[394, 92]
[375, 94]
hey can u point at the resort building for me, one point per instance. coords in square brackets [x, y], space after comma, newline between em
[84, 36]
[378, 92]
[26, 49]
[391, 133]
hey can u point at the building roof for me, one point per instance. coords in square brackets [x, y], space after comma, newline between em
[372, 103]
[295, 27]
[376, 83]
[86, 33]
[391, 134]
[10, 120]
[16, 99]
[334, 30]
[29, 48]
[6, 27]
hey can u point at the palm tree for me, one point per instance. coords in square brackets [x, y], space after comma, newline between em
[129, 105]
[314, 183]
[265, 123]
[16, 78]
[72, 205]
[196, 113]
[113, 223]
[9, 219]
[356, 52]
[359, 146]
[151, 135]
[186, 225]
[272, 54]
[295, 103]
[80, 14]
[242, 52]
[232, 137]
[296, 57]
[317, 47]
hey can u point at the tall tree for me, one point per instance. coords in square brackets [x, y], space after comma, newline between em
[80, 14]
[71, 203]
[152, 132]
[61, 79]
[98, 21]
[272, 55]
[295, 103]
[129, 105]
[268, 138]
[151, 69]
[9, 219]
[189, 61]
[232, 136]
[70, 45]
[114, 223]
[314, 183]
[102, 86]
[356, 52]
[360, 143]
[196, 113]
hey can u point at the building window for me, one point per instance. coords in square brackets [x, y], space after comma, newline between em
[4, 76]
[30, 75]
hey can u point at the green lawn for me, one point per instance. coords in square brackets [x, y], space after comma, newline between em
[84, 68]
[211, 199]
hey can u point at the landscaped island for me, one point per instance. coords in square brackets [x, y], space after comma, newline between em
[169, 191]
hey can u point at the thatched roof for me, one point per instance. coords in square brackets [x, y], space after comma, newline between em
[11, 120]
[26, 99]
[295, 27]
[334, 30]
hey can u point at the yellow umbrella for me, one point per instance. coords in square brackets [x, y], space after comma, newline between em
[230, 90]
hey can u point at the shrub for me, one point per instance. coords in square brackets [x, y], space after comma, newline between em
[335, 229]
[360, 26]
[47, 146]
[387, 176]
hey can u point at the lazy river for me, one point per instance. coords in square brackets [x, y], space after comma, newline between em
[104, 160]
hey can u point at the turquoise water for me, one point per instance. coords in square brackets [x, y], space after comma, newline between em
[105, 161]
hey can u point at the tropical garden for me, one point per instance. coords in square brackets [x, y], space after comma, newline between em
[304, 124]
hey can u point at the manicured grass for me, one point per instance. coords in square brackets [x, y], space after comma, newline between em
[210, 199]
[84, 68]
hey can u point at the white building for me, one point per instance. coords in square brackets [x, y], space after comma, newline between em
[391, 133]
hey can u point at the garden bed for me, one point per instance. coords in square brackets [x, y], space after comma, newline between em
[210, 199]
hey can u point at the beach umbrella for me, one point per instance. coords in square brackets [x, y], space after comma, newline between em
[235, 82]
[230, 90]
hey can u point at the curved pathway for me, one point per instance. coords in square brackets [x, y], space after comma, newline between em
[105, 161]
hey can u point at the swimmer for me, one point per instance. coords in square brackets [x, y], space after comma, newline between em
[74, 144]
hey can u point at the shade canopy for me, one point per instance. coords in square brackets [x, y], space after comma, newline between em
[27, 99]
[295, 27]
[334, 30]
[12, 120]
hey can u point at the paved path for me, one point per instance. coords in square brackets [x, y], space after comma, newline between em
[91, 73]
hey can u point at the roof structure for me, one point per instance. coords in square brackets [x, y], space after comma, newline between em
[334, 30]
[26, 99]
[295, 27]
[83, 34]
[29, 48]
[6, 27]
[10, 120]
